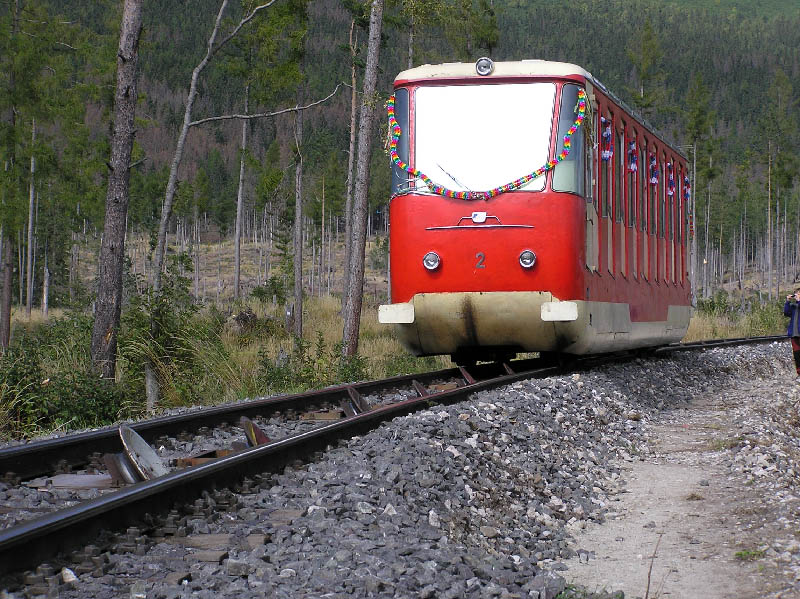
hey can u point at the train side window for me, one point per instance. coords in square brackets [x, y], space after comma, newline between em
[630, 186]
[631, 168]
[684, 218]
[660, 194]
[619, 165]
[652, 189]
[588, 152]
[670, 200]
[642, 189]
[401, 180]
[604, 170]
[606, 167]
[592, 221]
[568, 174]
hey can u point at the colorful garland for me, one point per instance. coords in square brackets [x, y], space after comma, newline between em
[395, 132]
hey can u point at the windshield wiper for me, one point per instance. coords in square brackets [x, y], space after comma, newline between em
[456, 181]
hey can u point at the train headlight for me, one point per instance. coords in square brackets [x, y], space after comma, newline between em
[527, 259]
[431, 261]
[484, 66]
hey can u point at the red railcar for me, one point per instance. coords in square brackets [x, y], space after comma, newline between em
[589, 255]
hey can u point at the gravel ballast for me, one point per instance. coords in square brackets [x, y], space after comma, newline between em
[477, 499]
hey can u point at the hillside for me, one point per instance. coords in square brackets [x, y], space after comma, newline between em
[745, 52]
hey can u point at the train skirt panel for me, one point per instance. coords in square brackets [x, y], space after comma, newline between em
[522, 321]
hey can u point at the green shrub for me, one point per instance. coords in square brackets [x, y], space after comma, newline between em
[21, 393]
[308, 366]
[31, 403]
[155, 326]
[273, 289]
[83, 399]
[716, 305]
[379, 254]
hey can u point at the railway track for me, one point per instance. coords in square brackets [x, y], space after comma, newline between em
[147, 504]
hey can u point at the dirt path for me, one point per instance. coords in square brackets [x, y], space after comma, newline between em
[714, 497]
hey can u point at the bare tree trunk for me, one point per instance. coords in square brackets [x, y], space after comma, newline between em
[151, 383]
[693, 251]
[352, 314]
[5, 322]
[706, 293]
[240, 202]
[32, 195]
[298, 225]
[20, 263]
[5, 256]
[196, 244]
[411, 41]
[351, 154]
[169, 195]
[769, 220]
[172, 183]
[46, 287]
[112, 248]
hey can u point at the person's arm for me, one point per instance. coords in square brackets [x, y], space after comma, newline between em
[788, 308]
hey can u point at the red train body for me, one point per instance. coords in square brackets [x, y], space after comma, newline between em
[605, 229]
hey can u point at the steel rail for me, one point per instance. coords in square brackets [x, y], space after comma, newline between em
[30, 543]
[695, 345]
[37, 458]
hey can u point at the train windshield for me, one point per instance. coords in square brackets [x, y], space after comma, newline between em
[477, 137]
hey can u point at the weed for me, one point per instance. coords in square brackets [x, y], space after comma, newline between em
[749, 555]
[576, 592]
[694, 497]
[307, 366]
[723, 444]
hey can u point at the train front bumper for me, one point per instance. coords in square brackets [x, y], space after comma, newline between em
[445, 323]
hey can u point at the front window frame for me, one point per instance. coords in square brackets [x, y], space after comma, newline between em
[546, 125]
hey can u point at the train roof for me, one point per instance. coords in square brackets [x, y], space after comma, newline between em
[515, 68]
[533, 67]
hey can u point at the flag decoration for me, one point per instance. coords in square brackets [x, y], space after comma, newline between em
[633, 157]
[395, 132]
[607, 140]
[687, 196]
[670, 181]
[653, 170]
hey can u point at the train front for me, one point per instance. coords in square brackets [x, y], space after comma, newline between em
[477, 271]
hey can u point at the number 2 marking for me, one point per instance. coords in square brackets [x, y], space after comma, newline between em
[481, 257]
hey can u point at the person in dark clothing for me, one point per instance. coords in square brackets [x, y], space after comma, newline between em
[792, 309]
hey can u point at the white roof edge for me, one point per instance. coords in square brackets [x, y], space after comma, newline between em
[516, 68]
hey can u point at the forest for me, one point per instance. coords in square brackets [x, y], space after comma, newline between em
[249, 196]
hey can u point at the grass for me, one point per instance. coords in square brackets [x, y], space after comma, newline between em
[720, 318]
[749, 555]
[212, 361]
[723, 444]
